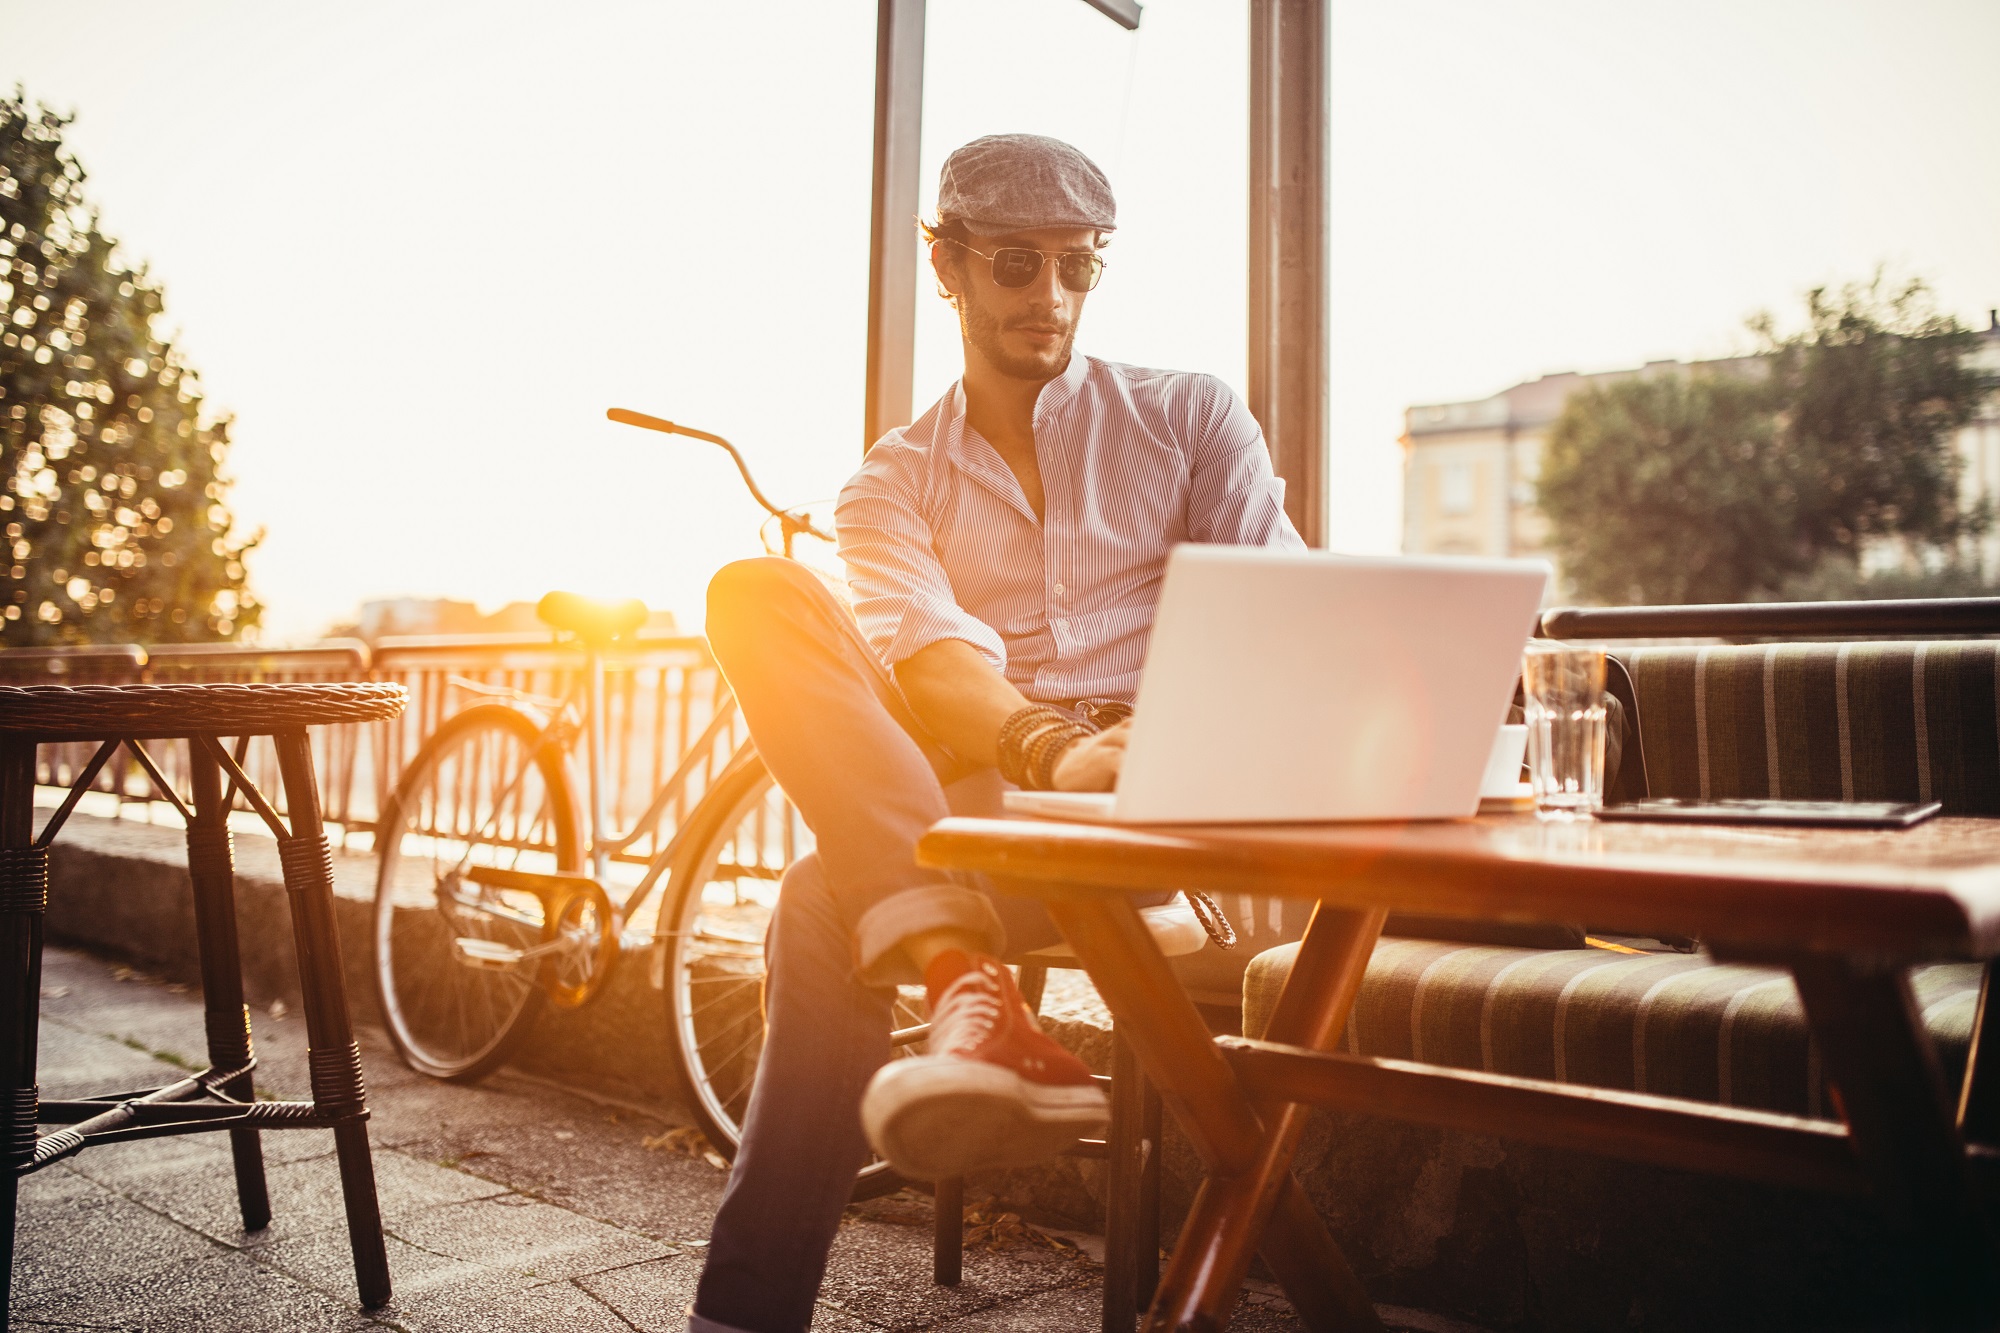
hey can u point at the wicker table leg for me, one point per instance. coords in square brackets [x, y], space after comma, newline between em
[24, 884]
[334, 1056]
[212, 870]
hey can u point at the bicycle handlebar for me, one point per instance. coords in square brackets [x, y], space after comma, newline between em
[625, 416]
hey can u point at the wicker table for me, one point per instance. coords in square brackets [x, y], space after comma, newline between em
[1847, 912]
[221, 1097]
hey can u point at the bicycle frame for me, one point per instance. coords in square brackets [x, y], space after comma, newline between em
[600, 840]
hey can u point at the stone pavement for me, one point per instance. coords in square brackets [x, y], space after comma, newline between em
[510, 1205]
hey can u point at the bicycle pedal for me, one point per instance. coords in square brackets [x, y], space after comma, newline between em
[485, 953]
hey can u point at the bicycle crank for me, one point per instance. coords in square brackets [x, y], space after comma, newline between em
[579, 929]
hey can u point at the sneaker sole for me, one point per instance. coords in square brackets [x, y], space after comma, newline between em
[937, 1118]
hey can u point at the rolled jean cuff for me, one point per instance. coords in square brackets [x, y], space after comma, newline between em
[943, 906]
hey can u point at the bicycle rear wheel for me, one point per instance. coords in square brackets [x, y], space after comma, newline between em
[716, 911]
[485, 791]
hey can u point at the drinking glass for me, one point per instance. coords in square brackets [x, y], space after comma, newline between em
[1565, 710]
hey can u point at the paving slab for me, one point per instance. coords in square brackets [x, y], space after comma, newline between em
[72, 1233]
[653, 1297]
[443, 1291]
[226, 1292]
[515, 1232]
[650, 1296]
[196, 1187]
[575, 1153]
[882, 1274]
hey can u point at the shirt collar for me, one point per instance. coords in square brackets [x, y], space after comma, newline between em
[1056, 395]
[981, 462]
[1061, 391]
[978, 461]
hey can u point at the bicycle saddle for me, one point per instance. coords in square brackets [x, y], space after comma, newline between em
[595, 622]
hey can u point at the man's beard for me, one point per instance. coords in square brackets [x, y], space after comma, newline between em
[984, 330]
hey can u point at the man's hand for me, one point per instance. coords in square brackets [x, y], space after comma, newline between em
[1092, 763]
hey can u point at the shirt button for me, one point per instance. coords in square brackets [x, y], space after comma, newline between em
[1063, 625]
[1059, 590]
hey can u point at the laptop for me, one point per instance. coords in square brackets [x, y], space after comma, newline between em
[1286, 686]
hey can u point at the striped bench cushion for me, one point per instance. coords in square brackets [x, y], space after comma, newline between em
[1823, 721]
[1677, 1025]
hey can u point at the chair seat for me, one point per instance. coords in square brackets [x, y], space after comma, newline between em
[1174, 928]
[1672, 1024]
[589, 619]
[102, 712]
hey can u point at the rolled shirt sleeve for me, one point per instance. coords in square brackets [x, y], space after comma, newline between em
[902, 595]
[1235, 498]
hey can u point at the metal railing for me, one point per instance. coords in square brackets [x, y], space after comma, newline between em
[663, 696]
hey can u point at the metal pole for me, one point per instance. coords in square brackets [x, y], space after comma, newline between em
[892, 236]
[600, 831]
[1288, 249]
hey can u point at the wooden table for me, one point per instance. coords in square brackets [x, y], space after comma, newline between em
[1847, 912]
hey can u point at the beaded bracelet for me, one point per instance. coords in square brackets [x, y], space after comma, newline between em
[1022, 723]
[1031, 740]
[1046, 749]
[1020, 726]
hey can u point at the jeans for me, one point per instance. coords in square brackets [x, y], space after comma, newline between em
[865, 777]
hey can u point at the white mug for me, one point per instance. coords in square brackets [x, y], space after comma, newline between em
[1503, 764]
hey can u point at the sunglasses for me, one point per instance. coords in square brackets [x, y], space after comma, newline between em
[1017, 266]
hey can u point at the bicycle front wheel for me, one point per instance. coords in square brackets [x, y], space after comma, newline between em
[714, 920]
[485, 792]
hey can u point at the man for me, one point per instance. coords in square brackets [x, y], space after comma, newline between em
[1004, 556]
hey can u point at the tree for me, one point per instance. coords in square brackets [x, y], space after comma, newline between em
[1669, 489]
[1718, 487]
[1869, 396]
[112, 493]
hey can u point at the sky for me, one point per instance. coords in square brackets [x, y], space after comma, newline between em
[416, 250]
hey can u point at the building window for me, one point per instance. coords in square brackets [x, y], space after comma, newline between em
[1455, 494]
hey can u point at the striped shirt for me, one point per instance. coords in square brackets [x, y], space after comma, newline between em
[941, 543]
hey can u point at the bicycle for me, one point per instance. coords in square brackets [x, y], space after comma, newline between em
[493, 896]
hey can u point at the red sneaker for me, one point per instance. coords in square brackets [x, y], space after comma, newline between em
[994, 1092]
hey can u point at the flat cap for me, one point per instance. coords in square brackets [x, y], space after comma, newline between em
[1022, 182]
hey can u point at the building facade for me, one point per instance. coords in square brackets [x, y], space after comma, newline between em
[1469, 469]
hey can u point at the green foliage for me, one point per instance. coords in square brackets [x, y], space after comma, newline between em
[1725, 487]
[111, 485]
[1838, 579]
[1668, 489]
[1871, 394]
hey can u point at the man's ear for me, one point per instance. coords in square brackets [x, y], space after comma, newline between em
[950, 274]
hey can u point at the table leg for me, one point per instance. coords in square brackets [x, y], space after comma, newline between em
[1146, 1276]
[1124, 1188]
[24, 884]
[332, 1054]
[1249, 1164]
[211, 868]
[1890, 1089]
[948, 1231]
[1312, 1012]
[1979, 1094]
